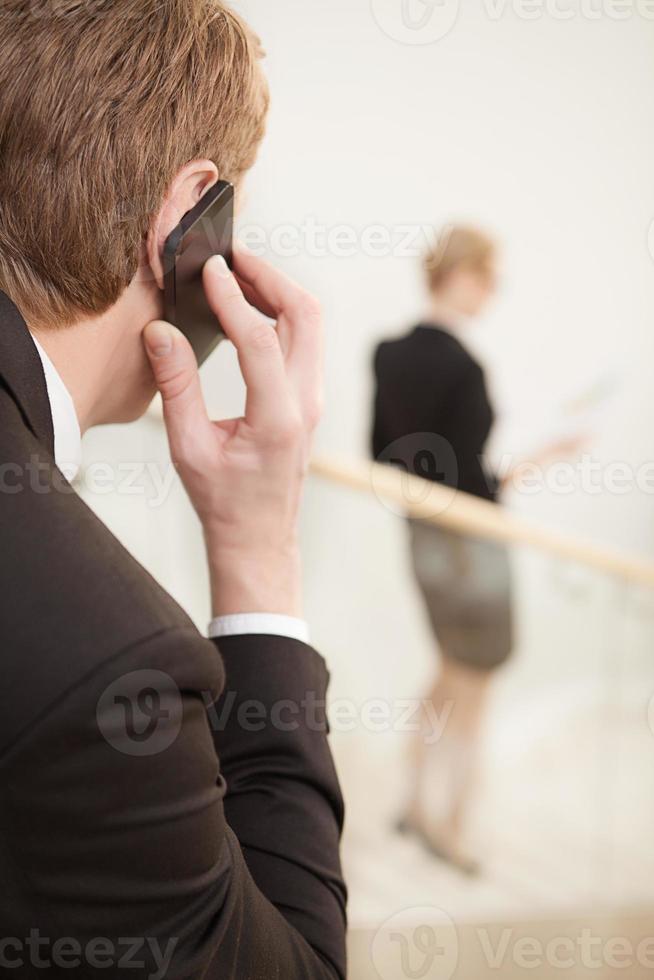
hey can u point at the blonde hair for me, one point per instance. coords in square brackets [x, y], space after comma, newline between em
[458, 246]
[101, 103]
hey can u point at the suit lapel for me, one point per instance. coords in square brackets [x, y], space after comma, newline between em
[22, 372]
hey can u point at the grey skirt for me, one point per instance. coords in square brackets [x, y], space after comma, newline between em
[466, 586]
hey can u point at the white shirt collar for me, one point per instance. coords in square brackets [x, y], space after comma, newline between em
[67, 435]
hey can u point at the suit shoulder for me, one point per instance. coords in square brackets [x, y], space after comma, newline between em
[152, 672]
[73, 598]
[454, 355]
[390, 350]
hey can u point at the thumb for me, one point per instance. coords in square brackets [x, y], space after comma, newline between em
[175, 371]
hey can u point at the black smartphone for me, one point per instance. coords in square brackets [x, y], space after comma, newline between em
[206, 230]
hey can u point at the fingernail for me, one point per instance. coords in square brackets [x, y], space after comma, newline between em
[222, 269]
[159, 338]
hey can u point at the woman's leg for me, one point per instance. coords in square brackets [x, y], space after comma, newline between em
[443, 769]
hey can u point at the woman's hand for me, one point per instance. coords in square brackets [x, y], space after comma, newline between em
[244, 476]
[565, 449]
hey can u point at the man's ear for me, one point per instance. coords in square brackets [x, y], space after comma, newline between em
[190, 184]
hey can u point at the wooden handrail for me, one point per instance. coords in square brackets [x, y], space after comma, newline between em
[458, 511]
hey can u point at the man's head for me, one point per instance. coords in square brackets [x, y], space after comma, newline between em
[114, 118]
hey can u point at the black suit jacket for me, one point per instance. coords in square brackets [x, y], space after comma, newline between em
[432, 413]
[160, 800]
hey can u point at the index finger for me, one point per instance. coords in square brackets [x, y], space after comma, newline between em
[293, 307]
[259, 352]
[279, 293]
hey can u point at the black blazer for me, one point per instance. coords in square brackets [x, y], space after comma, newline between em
[432, 413]
[135, 811]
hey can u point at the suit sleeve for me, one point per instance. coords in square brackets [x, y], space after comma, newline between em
[378, 437]
[283, 799]
[120, 813]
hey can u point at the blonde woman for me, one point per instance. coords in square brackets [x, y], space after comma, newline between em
[433, 416]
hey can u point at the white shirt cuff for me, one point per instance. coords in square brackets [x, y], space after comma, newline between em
[270, 624]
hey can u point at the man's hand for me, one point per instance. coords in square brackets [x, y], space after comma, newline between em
[245, 476]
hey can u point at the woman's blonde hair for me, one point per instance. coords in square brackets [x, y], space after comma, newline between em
[458, 246]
